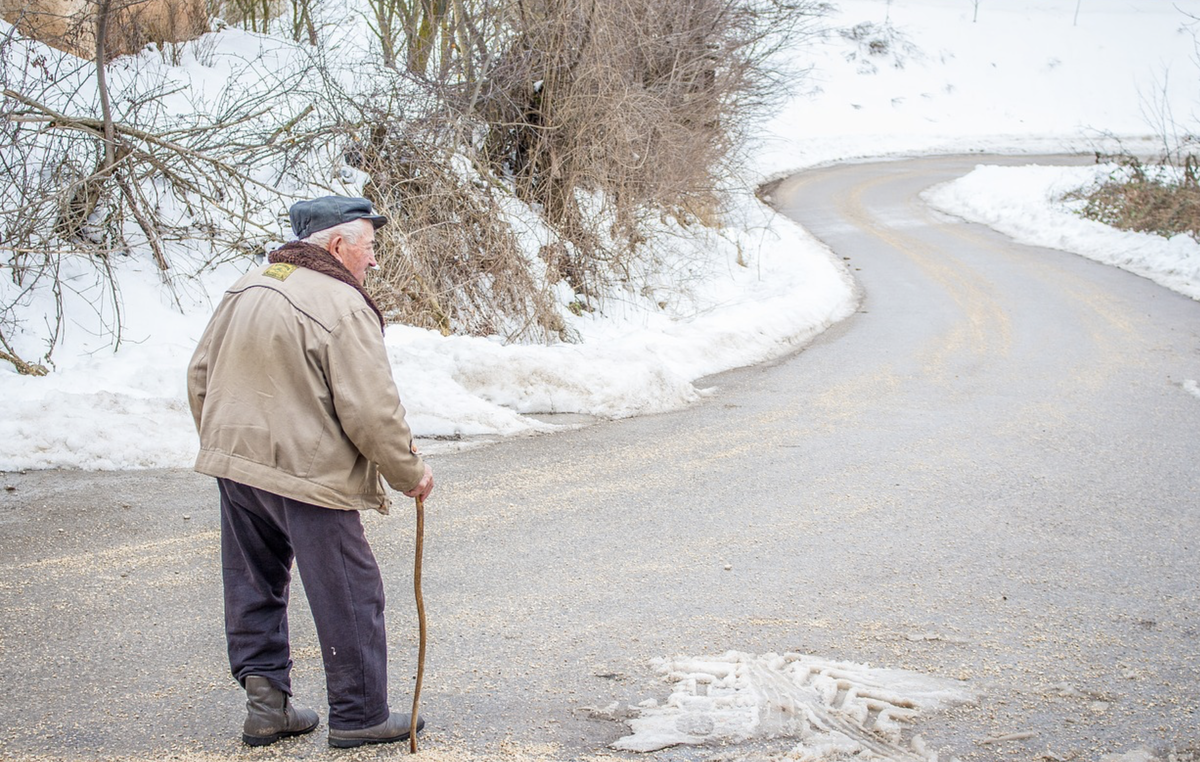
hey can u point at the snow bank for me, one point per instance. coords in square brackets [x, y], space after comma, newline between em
[1027, 204]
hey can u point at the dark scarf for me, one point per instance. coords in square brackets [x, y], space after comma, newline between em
[311, 257]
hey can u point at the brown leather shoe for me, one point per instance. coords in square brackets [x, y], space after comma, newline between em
[270, 714]
[394, 728]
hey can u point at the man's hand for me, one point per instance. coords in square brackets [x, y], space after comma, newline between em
[424, 487]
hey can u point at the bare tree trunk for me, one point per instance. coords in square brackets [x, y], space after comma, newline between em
[110, 143]
[385, 28]
[110, 140]
[86, 196]
[302, 21]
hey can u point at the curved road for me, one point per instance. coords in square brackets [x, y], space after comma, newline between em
[989, 473]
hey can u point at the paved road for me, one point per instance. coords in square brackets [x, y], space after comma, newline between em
[989, 473]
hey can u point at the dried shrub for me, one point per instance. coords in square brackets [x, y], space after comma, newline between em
[600, 115]
[1158, 199]
[879, 41]
[449, 260]
[601, 111]
[257, 15]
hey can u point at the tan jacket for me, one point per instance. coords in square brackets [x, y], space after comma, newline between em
[292, 393]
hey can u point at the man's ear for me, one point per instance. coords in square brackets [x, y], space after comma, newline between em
[335, 246]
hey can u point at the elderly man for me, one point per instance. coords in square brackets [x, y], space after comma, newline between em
[299, 419]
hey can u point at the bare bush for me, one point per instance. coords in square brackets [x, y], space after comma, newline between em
[1159, 196]
[438, 40]
[1160, 199]
[450, 261]
[600, 111]
[602, 115]
[879, 42]
[93, 180]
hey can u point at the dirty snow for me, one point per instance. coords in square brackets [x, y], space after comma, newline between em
[832, 708]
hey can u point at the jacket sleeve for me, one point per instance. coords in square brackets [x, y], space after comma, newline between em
[366, 400]
[197, 377]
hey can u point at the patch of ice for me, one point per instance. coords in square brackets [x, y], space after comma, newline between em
[835, 708]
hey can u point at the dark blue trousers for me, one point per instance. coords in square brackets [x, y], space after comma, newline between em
[261, 533]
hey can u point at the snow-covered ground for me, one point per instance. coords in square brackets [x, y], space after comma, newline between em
[888, 78]
[901, 77]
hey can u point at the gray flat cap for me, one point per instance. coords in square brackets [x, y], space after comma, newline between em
[320, 213]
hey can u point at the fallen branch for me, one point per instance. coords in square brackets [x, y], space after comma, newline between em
[23, 368]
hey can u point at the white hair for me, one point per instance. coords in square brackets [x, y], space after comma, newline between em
[352, 231]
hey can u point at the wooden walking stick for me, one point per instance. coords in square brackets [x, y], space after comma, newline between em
[412, 728]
